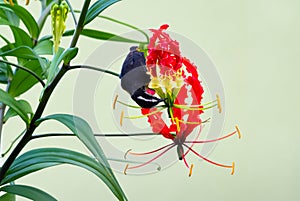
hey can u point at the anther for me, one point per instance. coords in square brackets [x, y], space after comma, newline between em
[126, 167]
[238, 131]
[126, 153]
[232, 168]
[115, 101]
[191, 170]
[121, 118]
[10, 2]
[219, 103]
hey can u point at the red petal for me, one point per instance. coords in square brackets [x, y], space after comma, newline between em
[164, 26]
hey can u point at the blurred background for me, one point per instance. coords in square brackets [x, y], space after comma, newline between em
[255, 46]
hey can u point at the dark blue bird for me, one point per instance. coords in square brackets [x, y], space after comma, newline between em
[134, 79]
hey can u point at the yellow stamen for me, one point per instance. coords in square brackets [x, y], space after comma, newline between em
[177, 124]
[238, 131]
[121, 118]
[191, 170]
[232, 168]
[219, 103]
[145, 115]
[194, 107]
[127, 165]
[27, 2]
[132, 106]
[115, 101]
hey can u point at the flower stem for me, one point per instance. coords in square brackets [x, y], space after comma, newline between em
[2, 109]
[94, 68]
[80, 24]
[37, 136]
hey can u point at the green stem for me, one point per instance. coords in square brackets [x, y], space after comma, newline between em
[94, 68]
[37, 136]
[80, 25]
[12, 144]
[2, 110]
[44, 100]
[125, 24]
[72, 12]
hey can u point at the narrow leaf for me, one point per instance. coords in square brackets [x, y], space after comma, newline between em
[11, 113]
[3, 78]
[44, 48]
[22, 81]
[28, 192]
[20, 52]
[101, 35]
[69, 54]
[10, 16]
[3, 72]
[61, 55]
[84, 132]
[21, 37]
[26, 18]
[24, 52]
[8, 100]
[97, 8]
[8, 197]
[42, 158]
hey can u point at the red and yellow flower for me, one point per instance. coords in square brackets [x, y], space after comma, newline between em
[175, 79]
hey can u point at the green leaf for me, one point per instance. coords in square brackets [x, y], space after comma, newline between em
[39, 159]
[3, 78]
[21, 37]
[97, 8]
[10, 16]
[3, 73]
[5, 40]
[44, 47]
[11, 113]
[61, 55]
[9, 100]
[22, 80]
[24, 52]
[28, 192]
[8, 197]
[69, 54]
[84, 132]
[20, 52]
[101, 35]
[26, 18]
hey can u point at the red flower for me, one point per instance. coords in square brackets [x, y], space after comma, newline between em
[175, 80]
[164, 61]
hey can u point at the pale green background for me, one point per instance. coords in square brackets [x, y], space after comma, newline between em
[255, 46]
